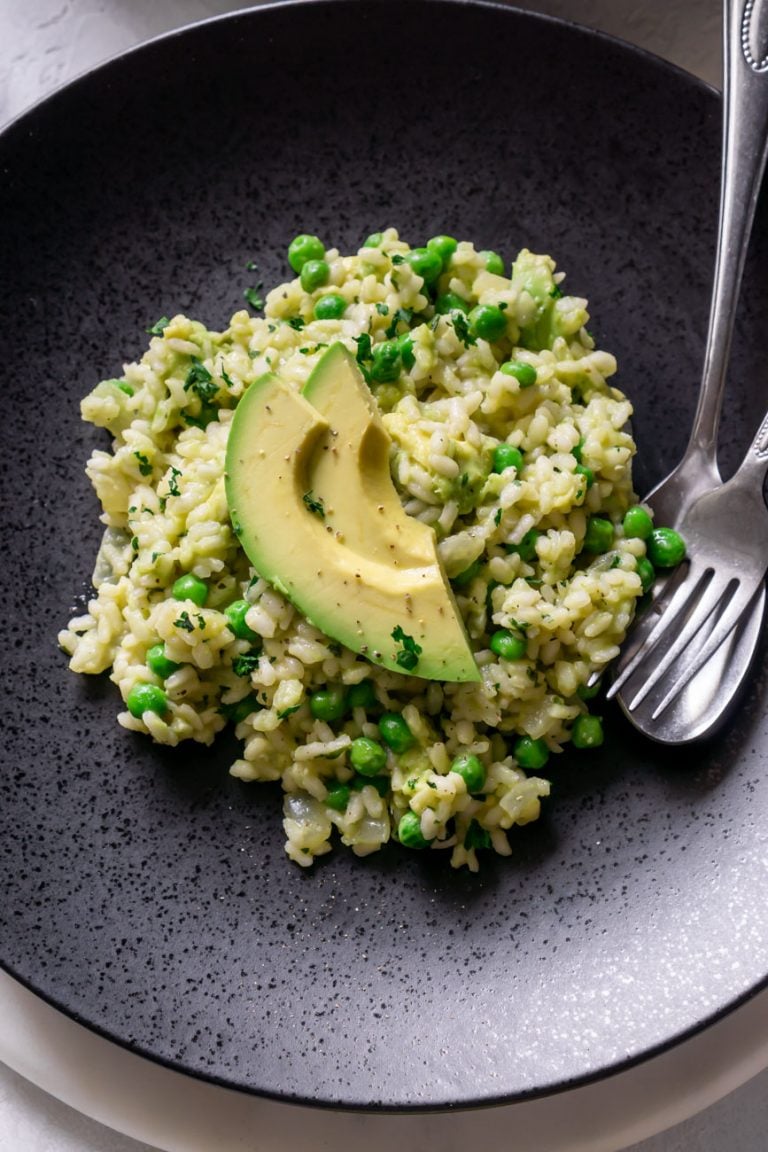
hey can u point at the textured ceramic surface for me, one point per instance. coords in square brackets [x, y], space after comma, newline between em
[147, 892]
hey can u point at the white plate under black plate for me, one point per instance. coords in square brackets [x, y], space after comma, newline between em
[147, 893]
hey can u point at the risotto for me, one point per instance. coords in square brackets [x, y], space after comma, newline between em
[505, 438]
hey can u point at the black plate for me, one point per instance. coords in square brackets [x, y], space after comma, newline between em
[146, 892]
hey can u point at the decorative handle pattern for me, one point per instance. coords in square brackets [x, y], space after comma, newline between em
[760, 442]
[754, 35]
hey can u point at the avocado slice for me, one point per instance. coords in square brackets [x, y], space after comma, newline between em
[351, 468]
[341, 578]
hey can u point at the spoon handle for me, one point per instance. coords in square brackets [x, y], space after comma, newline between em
[745, 146]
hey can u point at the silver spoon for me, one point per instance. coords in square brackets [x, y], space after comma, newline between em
[711, 695]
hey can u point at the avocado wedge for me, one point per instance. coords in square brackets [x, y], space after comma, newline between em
[312, 501]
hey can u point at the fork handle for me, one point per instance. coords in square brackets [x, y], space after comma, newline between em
[745, 146]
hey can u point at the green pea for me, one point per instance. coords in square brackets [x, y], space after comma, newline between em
[362, 695]
[530, 753]
[314, 274]
[158, 662]
[587, 732]
[395, 732]
[235, 614]
[303, 248]
[367, 756]
[405, 344]
[445, 246]
[330, 307]
[328, 703]
[507, 645]
[242, 709]
[599, 535]
[145, 697]
[488, 322]
[385, 362]
[338, 797]
[374, 240]
[189, 587]
[471, 770]
[666, 548]
[525, 374]
[646, 572]
[493, 262]
[409, 831]
[589, 691]
[638, 525]
[468, 575]
[506, 456]
[450, 302]
[526, 549]
[426, 263]
[587, 473]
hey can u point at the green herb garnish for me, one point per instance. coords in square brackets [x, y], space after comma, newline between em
[200, 381]
[252, 296]
[461, 328]
[184, 623]
[407, 656]
[173, 483]
[245, 664]
[159, 326]
[314, 504]
[402, 315]
[144, 465]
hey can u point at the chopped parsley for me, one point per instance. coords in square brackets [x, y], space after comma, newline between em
[227, 379]
[247, 663]
[461, 328]
[382, 309]
[364, 355]
[289, 712]
[208, 413]
[497, 517]
[252, 297]
[173, 483]
[135, 543]
[364, 348]
[556, 292]
[401, 316]
[296, 323]
[251, 266]
[408, 655]
[159, 326]
[144, 465]
[398, 259]
[184, 623]
[200, 381]
[476, 836]
[314, 504]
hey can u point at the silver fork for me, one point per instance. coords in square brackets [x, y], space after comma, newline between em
[745, 144]
[726, 531]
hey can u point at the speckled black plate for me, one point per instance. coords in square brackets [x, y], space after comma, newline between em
[145, 891]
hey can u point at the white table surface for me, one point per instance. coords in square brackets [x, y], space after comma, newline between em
[44, 43]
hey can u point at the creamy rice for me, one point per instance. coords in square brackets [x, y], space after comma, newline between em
[161, 487]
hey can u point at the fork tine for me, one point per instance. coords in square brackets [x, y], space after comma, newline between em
[724, 625]
[668, 608]
[695, 619]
